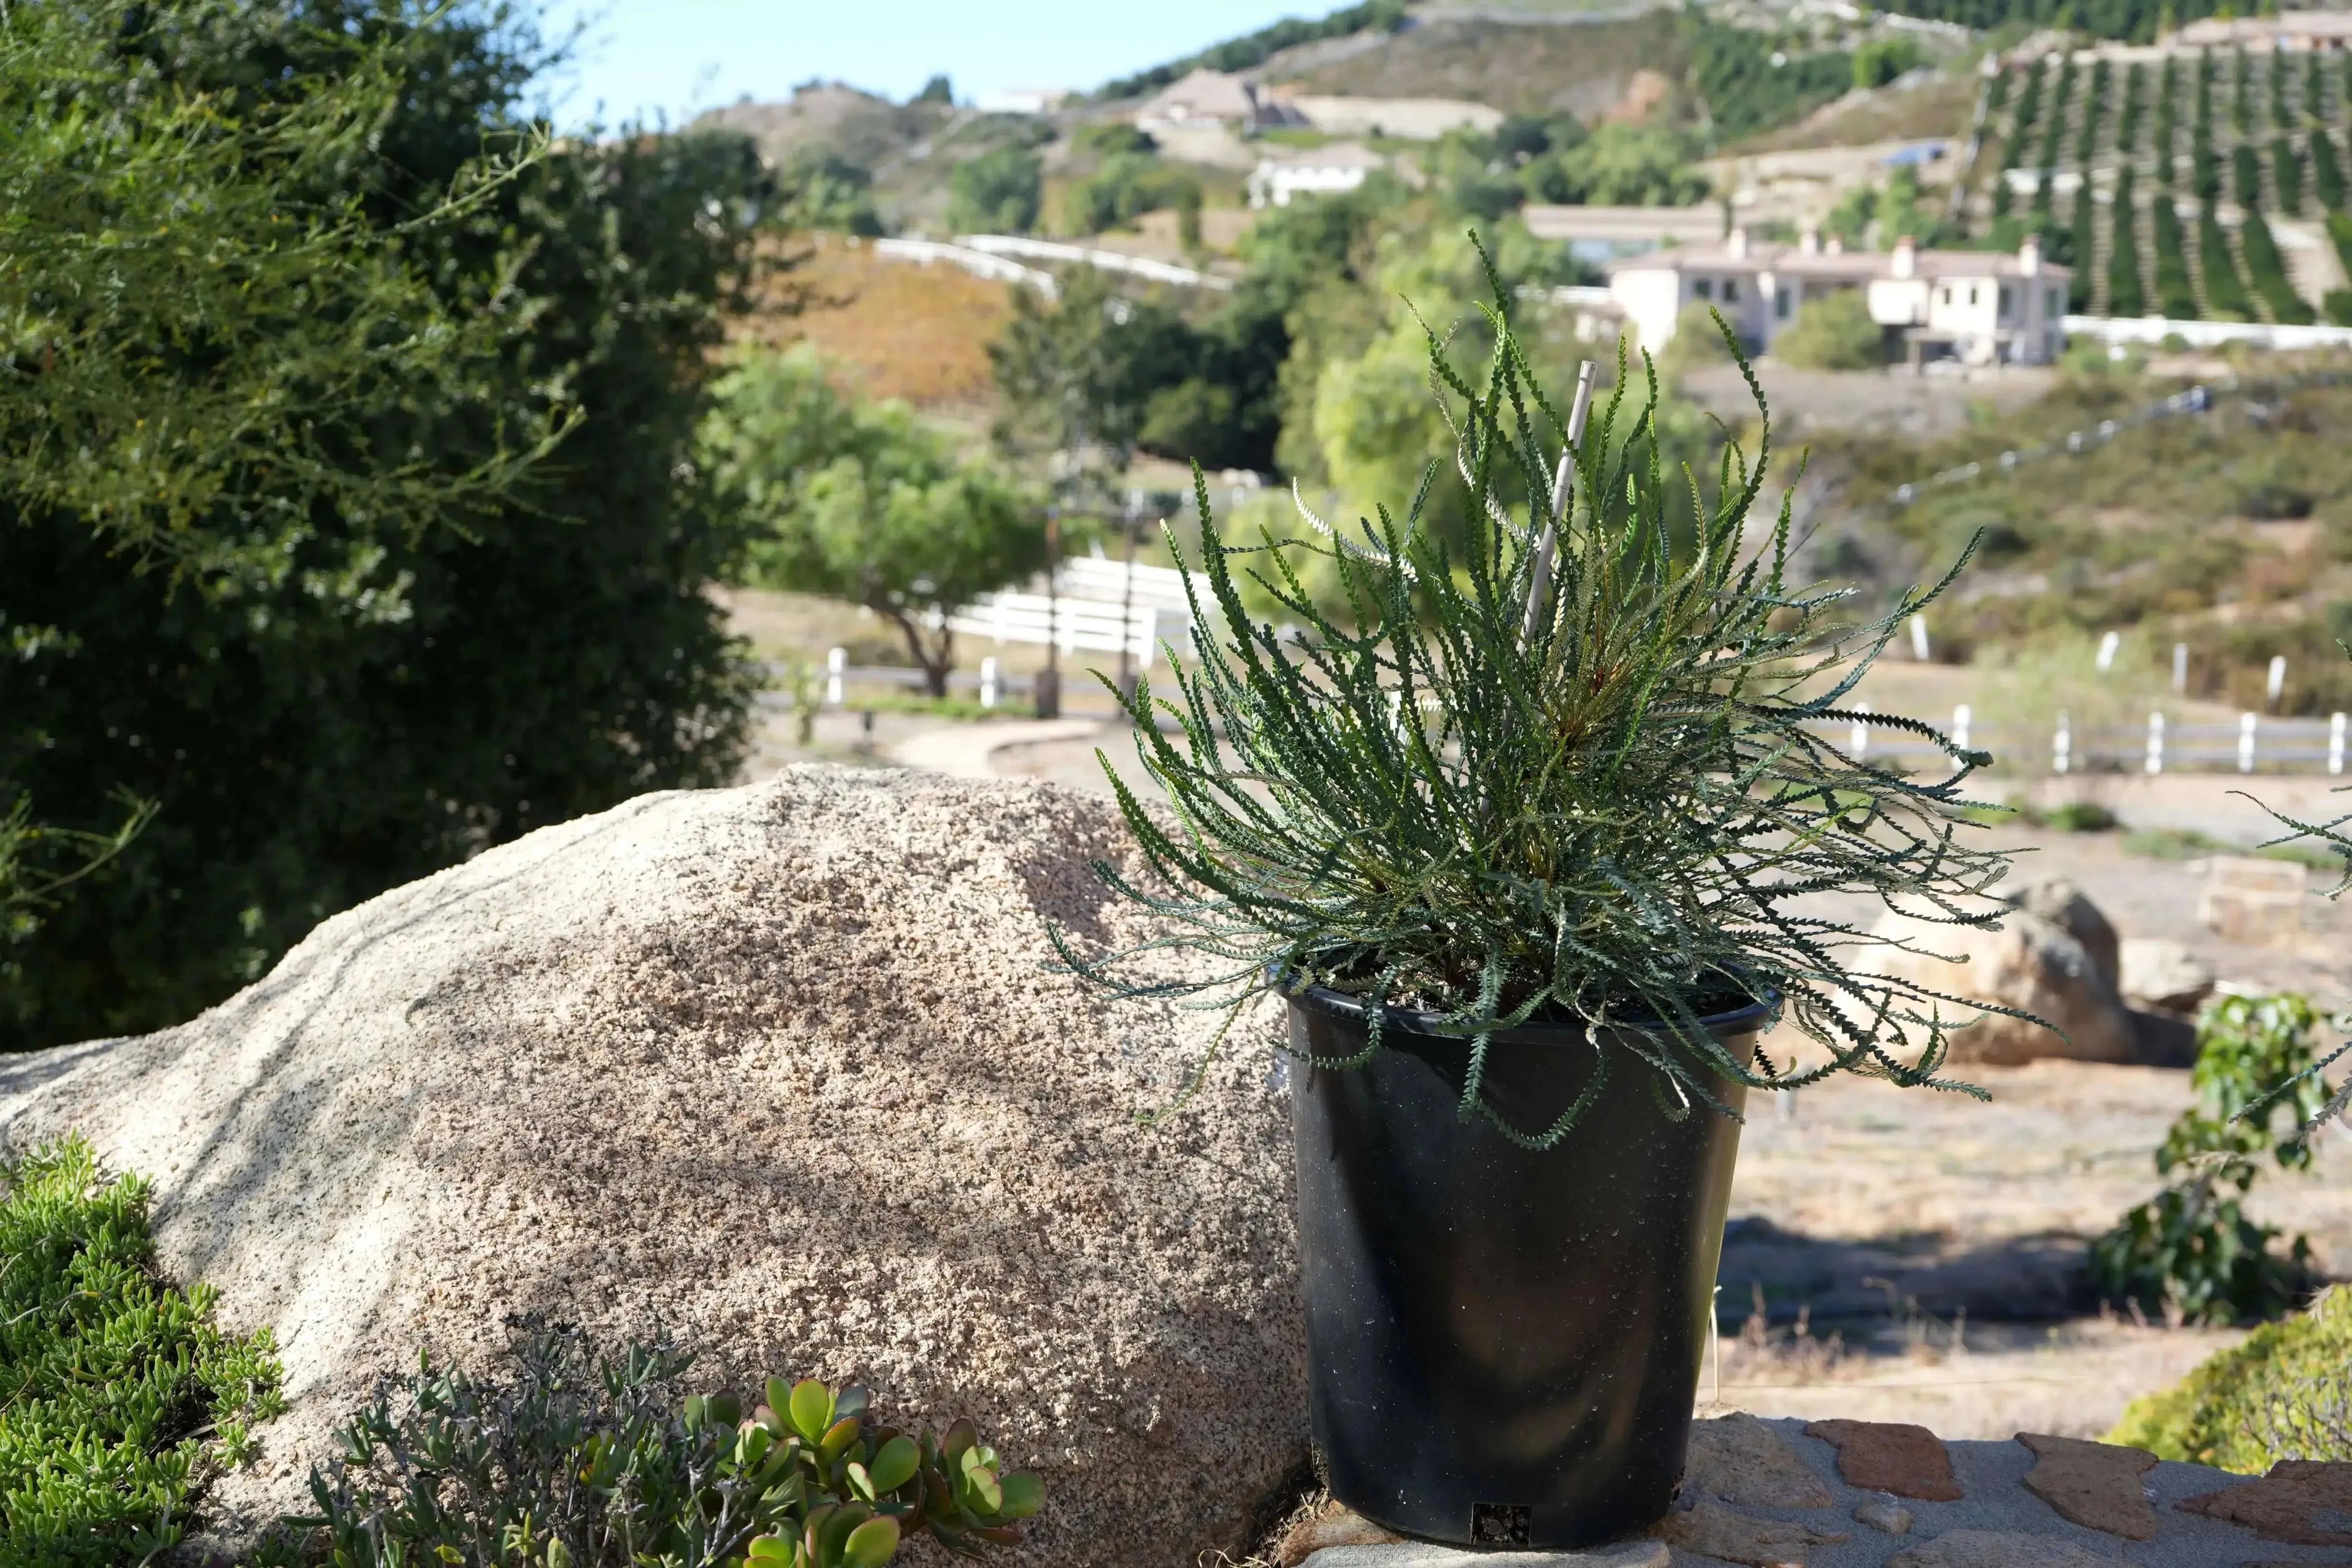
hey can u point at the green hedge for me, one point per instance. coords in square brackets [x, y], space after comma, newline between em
[2286, 174]
[2124, 295]
[2225, 292]
[2267, 270]
[2326, 172]
[2175, 291]
[2080, 247]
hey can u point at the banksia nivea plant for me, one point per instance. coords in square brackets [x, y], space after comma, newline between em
[1567, 765]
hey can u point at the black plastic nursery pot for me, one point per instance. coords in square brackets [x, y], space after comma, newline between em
[1503, 1345]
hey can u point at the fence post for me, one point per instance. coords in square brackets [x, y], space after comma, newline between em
[988, 681]
[836, 661]
[2156, 742]
[1919, 639]
[2108, 646]
[1859, 740]
[2278, 678]
[2180, 667]
[2336, 744]
[1960, 717]
[2246, 743]
[2062, 745]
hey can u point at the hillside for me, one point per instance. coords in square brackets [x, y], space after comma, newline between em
[1530, 68]
[895, 330]
[2159, 176]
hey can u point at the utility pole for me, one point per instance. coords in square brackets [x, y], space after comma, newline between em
[1049, 680]
[1126, 601]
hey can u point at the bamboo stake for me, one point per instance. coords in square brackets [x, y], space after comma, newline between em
[1548, 545]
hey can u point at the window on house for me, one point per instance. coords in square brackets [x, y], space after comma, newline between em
[1972, 296]
[1731, 290]
[2050, 305]
[2004, 302]
[1784, 300]
[1704, 287]
[1948, 293]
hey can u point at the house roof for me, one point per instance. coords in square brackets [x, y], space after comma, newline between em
[1852, 265]
[1204, 94]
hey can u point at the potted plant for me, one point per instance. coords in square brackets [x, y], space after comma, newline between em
[1521, 842]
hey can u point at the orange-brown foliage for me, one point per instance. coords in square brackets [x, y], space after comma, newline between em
[899, 329]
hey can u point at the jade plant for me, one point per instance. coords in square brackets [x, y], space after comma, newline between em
[574, 1466]
[1576, 761]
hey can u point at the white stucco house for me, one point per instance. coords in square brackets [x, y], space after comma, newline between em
[1975, 306]
[1317, 170]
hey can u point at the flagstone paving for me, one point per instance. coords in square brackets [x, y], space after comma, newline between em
[1768, 1493]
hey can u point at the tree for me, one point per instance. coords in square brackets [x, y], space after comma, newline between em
[859, 502]
[939, 89]
[1077, 376]
[824, 190]
[1832, 333]
[996, 193]
[334, 590]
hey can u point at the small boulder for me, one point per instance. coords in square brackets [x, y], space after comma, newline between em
[2252, 901]
[2030, 963]
[2063, 904]
[2164, 977]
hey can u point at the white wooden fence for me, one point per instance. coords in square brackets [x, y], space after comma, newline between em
[2253, 742]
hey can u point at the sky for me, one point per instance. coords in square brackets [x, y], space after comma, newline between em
[645, 57]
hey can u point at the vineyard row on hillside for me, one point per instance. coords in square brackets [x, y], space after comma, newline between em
[2110, 163]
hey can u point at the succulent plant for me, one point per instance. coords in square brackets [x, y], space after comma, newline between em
[574, 1466]
[853, 1494]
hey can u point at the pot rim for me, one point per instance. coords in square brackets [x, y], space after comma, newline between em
[1754, 1018]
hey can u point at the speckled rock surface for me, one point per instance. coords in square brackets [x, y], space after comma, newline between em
[776, 1070]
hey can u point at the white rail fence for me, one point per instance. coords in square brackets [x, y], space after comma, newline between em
[2254, 742]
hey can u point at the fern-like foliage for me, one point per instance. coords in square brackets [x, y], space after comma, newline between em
[1600, 809]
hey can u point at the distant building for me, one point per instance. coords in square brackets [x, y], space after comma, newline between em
[1024, 100]
[2306, 32]
[1978, 307]
[1208, 98]
[1598, 234]
[1319, 171]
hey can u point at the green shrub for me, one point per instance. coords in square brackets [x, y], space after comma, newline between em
[1832, 333]
[2225, 293]
[2267, 269]
[2190, 1250]
[579, 1466]
[2239, 1408]
[2327, 170]
[2081, 816]
[2175, 291]
[996, 193]
[114, 1378]
[2286, 174]
[1511, 782]
[1124, 188]
[2125, 297]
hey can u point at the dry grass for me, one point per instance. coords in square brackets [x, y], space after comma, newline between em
[1940, 107]
[900, 330]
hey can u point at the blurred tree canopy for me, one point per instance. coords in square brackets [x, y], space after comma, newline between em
[858, 501]
[347, 515]
[997, 193]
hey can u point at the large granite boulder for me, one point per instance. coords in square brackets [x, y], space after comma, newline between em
[2064, 904]
[777, 1072]
[2030, 963]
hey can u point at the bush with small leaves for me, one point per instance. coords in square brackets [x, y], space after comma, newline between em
[2190, 1250]
[574, 1466]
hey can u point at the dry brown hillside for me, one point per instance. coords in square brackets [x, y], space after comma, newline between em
[901, 330]
[1533, 67]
